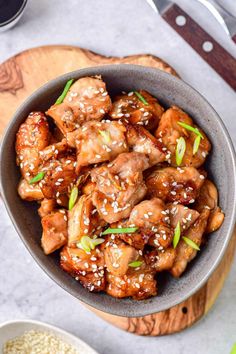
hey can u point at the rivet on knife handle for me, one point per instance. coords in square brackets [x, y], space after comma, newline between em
[209, 49]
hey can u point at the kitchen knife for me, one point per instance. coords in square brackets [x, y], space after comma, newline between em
[227, 21]
[208, 48]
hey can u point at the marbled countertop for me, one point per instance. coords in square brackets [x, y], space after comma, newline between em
[114, 28]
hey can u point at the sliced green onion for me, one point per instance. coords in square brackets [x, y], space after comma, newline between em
[233, 350]
[176, 235]
[87, 244]
[135, 264]
[95, 242]
[191, 243]
[141, 98]
[126, 230]
[64, 92]
[106, 136]
[196, 144]
[37, 178]
[73, 197]
[192, 129]
[180, 150]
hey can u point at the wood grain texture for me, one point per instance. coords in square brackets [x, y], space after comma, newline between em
[24, 73]
[218, 58]
[27, 71]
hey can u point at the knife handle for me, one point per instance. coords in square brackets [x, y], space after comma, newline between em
[210, 50]
[234, 38]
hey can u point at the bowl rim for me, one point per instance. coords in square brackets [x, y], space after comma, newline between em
[54, 329]
[224, 132]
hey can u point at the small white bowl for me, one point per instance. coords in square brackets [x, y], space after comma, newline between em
[12, 329]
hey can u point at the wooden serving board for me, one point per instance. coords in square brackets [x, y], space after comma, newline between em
[24, 73]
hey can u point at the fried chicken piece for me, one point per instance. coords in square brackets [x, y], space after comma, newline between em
[47, 206]
[171, 184]
[184, 252]
[99, 142]
[87, 99]
[208, 198]
[152, 216]
[131, 108]
[54, 231]
[54, 151]
[118, 255]
[88, 268]
[83, 220]
[32, 137]
[182, 214]
[141, 140]
[28, 191]
[59, 176]
[161, 260]
[119, 186]
[169, 131]
[137, 239]
[138, 283]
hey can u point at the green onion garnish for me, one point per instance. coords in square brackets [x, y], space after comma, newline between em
[135, 264]
[106, 136]
[87, 244]
[73, 197]
[233, 350]
[141, 98]
[192, 129]
[126, 230]
[64, 92]
[180, 150]
[191, 243]
[176, 235]
[196, 144]
[37, 178]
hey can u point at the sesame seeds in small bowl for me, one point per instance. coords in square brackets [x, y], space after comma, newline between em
[38, 337]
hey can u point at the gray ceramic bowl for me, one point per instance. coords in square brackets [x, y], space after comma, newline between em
[220, 165]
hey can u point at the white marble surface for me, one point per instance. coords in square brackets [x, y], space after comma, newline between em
[113, 28]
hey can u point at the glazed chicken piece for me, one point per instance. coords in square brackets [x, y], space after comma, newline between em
[28, 191]
[88, 268]
[171, 184]
[184, 252]
[47, 207]
[131, 108]
[54, 231]
[161, 260]
[137, 239]
[86, 100]
[141, 140]
[169, 131]
[182, 214]
[208, 198]
[99, 142]
[138, 283]
[54, 151]
[153, 217]
[32, 137]
[118, 255]
[83, 220]
[59, 176]
[119, 186]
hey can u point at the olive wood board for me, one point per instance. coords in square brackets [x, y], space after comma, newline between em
[24, 73]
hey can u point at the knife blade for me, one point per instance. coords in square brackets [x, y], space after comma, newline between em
[205, 45]
[226, 20]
